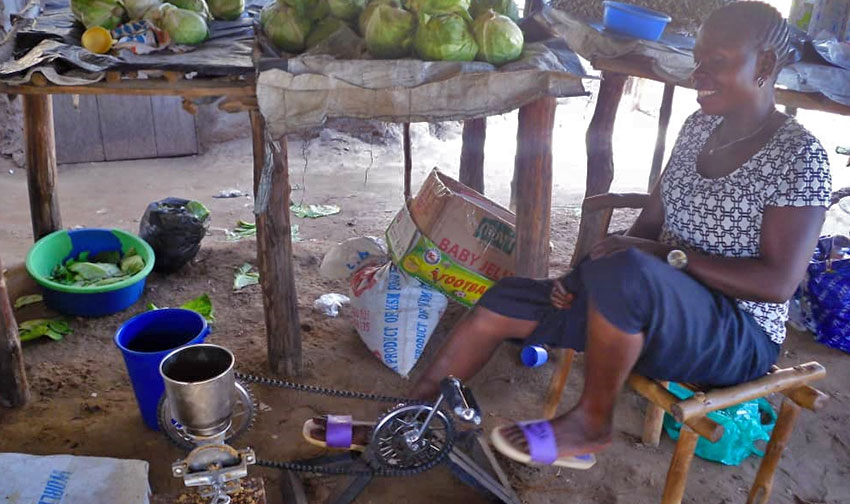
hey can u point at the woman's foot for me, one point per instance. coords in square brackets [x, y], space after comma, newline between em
[575, 434]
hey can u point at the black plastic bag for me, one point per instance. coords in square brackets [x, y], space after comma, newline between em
[174, 228]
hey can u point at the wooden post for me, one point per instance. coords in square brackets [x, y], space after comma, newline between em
[472, 153]
[408, 160]
[41, 164]
[600, 153]
[14, 391]
[274, 252]
[661, 139]
[258, 139]
[763, 484]
[653, 422]
[677, 475]
[533, 167]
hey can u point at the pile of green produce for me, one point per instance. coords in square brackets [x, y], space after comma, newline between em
[184, 20]
[433, 30]
[105, 268]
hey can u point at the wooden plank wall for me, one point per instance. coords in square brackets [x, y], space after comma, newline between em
[110, 128]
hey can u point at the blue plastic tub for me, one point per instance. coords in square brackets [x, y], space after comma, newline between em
[634, 21]
[145, 340]
[59, 246]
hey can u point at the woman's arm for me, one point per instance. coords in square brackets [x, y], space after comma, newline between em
[651, 218]
[788, 237]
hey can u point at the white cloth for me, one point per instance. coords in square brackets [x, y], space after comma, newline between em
[723, 216]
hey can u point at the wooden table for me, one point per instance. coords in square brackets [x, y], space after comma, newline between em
[533, 168]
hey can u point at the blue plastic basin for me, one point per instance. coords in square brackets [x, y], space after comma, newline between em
[634, 21]
[145, 340]
[59, 246]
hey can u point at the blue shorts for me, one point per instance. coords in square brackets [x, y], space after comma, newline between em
[692, 334]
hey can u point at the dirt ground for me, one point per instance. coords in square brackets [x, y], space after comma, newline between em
[82, 401]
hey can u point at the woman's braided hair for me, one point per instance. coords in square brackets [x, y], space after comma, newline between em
[760, 22]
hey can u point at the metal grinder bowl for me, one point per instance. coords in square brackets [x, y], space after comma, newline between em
[199, 384]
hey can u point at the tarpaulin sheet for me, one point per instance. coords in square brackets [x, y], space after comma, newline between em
[671, 58]
[52, 39]
[313, 87]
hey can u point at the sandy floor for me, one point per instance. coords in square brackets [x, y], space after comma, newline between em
[82, 401]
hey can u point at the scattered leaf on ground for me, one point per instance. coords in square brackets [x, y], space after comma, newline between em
[28, 300]
[245, 277]
[314, 211]
[54, 329]
[248, 229]
[201, 304]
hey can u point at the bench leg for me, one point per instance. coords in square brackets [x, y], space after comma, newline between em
[653, 423]
[677, 475]
[558, 381]
[760, 492]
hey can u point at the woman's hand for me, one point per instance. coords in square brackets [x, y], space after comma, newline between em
[561, 299]
[619, 243]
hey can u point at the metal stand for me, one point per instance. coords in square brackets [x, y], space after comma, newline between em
[470, 459]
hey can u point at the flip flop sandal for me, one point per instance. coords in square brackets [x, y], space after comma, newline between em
[542, 448]
[338, 432]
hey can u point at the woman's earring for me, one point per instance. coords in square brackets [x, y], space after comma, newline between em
[761, 81]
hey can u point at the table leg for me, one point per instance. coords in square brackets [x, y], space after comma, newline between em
[533, 168]
[274, 252]
[600, 153]
[661, 139]
[14, 391]
[472, 154]
[408, 160]
[41, 164]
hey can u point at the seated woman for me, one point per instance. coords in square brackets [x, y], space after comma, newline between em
[696, 291]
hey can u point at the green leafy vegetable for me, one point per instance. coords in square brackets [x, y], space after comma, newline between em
[245, 277]
[28, 300]
[285, 27]
[503, 7]
[499, 39]
[199, 6]
[389, 33]
[106, 268]
[184, 26]
[105, 13]
[197, 208]
[227, 10]
[314, 211]
[201, 305]
[248, 229]
[445, 37]
[54, 329]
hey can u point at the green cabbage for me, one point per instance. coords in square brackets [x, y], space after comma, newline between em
[367, 12]
[226, 10]
[184, 26]
[445, 37]
[199, 6]
[322, 30]
[137, 8]
[347, 10]
[437, 7]
[389, 32]
[105, 13]
[284, 27]
[312, 10]
[503, 7]
[499, 39]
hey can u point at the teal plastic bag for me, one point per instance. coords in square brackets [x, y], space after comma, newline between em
[743, 425]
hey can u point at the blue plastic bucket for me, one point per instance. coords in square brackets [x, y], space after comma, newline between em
[634, 21]
[145, 340]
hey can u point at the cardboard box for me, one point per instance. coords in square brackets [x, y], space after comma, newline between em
[421, 258]
[473, 231]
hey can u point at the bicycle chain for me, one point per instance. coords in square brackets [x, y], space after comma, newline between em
[315, 389]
